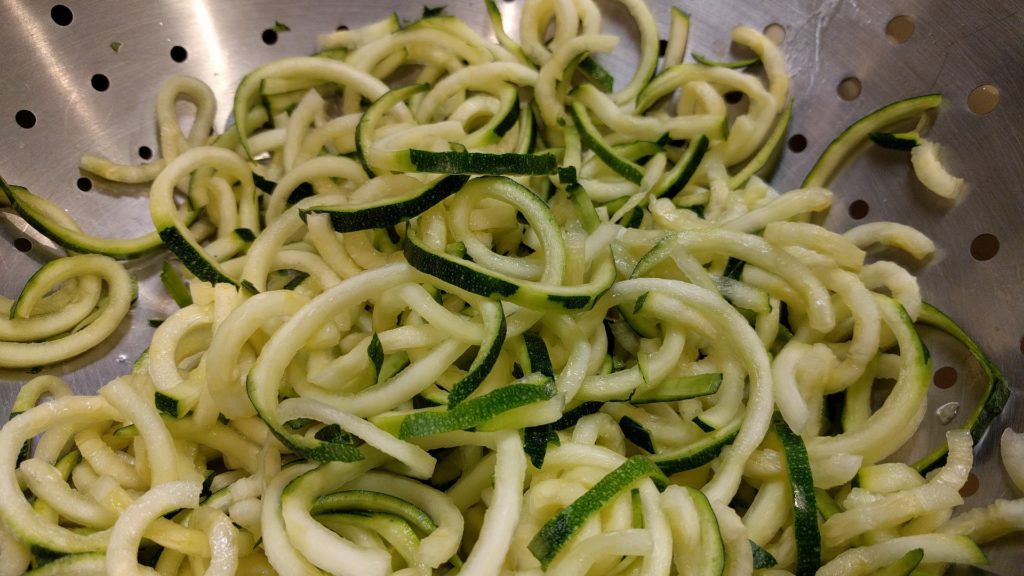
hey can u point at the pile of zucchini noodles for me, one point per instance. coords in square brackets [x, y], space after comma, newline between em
[500, 319]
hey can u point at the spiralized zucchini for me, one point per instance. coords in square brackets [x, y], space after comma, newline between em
[67, 307]
[506, 319]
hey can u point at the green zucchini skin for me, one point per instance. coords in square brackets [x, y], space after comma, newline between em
[554, 535]
[455, 162]
[805, 507]
[830, 161]
[896, 141]
[993, 400]
[389, 212]
[592, 138]
[28, 206]
[698, 453]
[369, 501]
[471, 413]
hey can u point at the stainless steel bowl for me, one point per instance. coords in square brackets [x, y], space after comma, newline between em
[85, 95]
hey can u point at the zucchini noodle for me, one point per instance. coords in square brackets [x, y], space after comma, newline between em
[504, 319]
[36, 339]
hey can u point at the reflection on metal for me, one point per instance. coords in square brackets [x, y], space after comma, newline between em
[39, 31]
[954, 47]
[214, 61]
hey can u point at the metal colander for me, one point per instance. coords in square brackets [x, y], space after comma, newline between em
[83, 76]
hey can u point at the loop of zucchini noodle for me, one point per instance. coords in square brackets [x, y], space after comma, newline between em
[70, 305]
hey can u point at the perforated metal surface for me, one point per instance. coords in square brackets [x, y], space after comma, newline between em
[49, 69]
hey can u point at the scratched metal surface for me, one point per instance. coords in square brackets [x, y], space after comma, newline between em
[956, 46]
